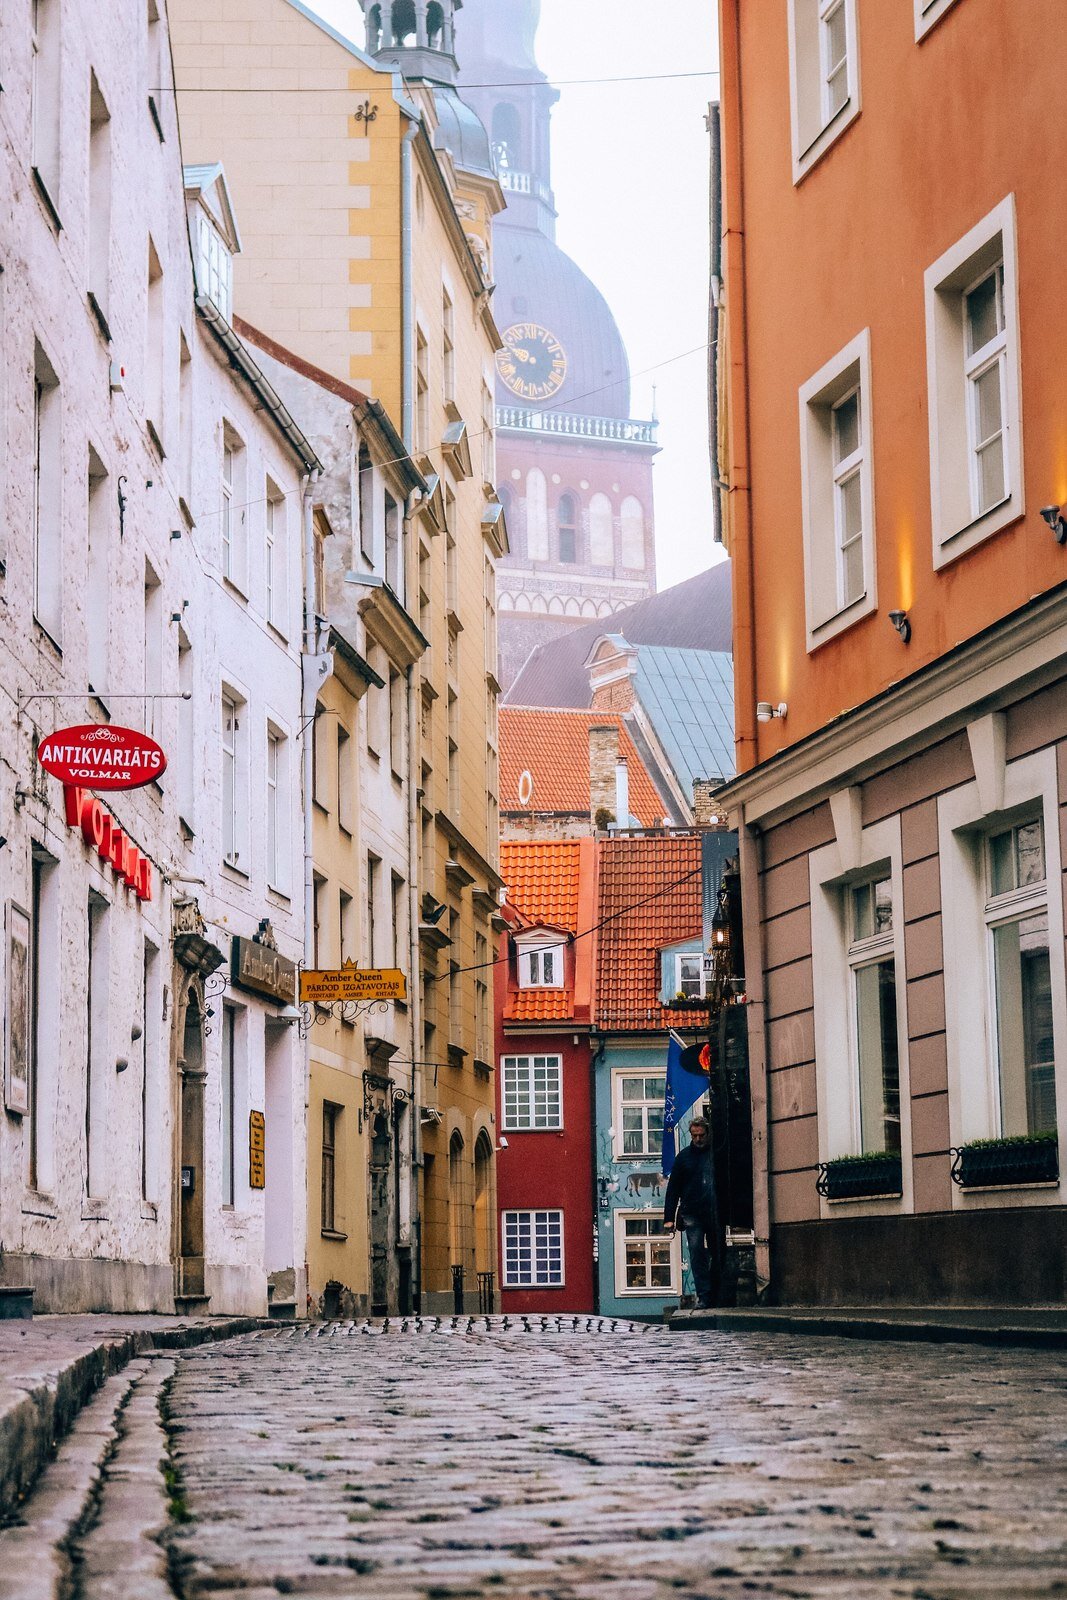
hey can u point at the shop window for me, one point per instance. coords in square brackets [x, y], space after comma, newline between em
[646, 1261]
[533, 1249]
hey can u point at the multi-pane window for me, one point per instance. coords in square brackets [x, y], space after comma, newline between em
[833, 52]
[533, 1249]
[1018, 923]
[229, 461]
[690, 976]
[639, 1114]
[848, 497]
[45, 49]
[214, 268]
[373, 865]
[872, 962]
[274, 557]
[275, 816]
[448, 344]
[231, 731]
[567, 523]
[47, 498]
[422, 391]
[482, 976]
[986, 358]
[331, 1128]
[346, 781]
[541, 967]
[533, 1092]
[648, 1257]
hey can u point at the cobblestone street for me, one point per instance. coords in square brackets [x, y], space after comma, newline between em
[573, 1464]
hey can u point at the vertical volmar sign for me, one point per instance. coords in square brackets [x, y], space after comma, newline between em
[111, 843]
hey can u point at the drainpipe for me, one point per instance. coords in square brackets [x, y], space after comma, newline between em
[407, 268]
[751, 854]
[317, 667]
[415, 976]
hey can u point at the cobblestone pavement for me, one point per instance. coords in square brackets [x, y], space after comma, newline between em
[627, 1465]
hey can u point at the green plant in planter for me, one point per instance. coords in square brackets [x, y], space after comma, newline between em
[860, 1177]
[1011, 1161]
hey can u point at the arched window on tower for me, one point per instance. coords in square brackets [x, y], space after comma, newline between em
[567, 525]
[435, 23]
[403, 15]
[633, 533]
[536, 515]
[507, 136]
[601, 532]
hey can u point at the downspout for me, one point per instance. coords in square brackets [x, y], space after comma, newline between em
[315, 668]
[407, 270]
[715, 162]
[593, 1065]
[751, 861]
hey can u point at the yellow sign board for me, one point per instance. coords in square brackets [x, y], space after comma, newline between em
[257, 1150]
[350, 982]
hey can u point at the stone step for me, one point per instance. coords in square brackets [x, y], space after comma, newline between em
[191, 1305]
[282, 1310]
[16, 1302]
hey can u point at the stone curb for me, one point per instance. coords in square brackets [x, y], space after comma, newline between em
[946, 1331]
[32, 1425]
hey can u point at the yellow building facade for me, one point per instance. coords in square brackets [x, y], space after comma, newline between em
[365, 191]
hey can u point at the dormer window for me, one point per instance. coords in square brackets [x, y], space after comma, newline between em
[682, 972]
[214, 267]
[540, 962]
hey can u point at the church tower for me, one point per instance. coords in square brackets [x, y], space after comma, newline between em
[574, 469]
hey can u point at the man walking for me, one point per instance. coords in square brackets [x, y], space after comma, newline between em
[691, 1198]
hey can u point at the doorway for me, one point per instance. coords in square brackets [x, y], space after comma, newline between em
[381, 1165]
[192, 1077]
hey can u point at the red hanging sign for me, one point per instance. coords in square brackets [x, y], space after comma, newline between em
[96, 756]
[111, 843]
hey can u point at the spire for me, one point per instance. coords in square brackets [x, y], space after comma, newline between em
[418, 36]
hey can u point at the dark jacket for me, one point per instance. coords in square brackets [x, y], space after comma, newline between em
[691, 1186]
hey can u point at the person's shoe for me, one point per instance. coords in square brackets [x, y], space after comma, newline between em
[704, 1305]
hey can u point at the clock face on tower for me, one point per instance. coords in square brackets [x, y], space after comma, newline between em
[532, 363]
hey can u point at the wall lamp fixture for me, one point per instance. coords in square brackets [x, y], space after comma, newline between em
[1053, 515]
[765, 712]
[900, 622]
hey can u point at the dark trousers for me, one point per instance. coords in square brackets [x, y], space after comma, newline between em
[705, 1255]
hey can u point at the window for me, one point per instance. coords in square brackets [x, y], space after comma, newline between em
[824, 76]
[373, 865]
[972, 353]
[185, 427]
[451, 575]
[318, 925]
[214, 267]
[331, 1129]
[98, 254]
[346, 922]
[154, 63]
[346, 781]
[233, 509]
[45, 988]
[929, 12]
[1018, 922]
[482, 974]
[153, 652]
[45, 96]
[448, 344]
[488, 437]
[533, 1092]
[422, 392]
[226, 1091]
[682, 972]
[541, 965]
[98, 596]
[367, 498]
[453, 754]
[646, 1261]
[838, 493]
[377, 704]
[151, 1014]
[234, 781]
[153, 348]
[47, 498]
[394, 564]
[96, 1046]
[872, 964]
[567, 525]
[601, 532]
[396, 902]
[639, 1101]
[186, 776]
[275, 558]
[277, 831]
[632, 532]
[537, 515]
[396, 724]
[533, 1249]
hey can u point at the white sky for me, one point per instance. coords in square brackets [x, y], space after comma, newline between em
[630, 171]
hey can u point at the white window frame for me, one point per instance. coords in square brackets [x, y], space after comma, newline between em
[958, 525]
[992, 355]
[277, 790]
[859, 855]
[822, 479]
[928, 14]
[1003, 793]
[1001, 910]
[275, 558]
[814, 126]
[654, 1292]
[234, 828]
[620, 1075]
[864, 952]
[233, 522]
[553, 1217]
[214, 266]
[530, 956]
[516, 1072]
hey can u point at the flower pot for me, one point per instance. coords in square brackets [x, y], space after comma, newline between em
[860, 1177]
[1002, 1163]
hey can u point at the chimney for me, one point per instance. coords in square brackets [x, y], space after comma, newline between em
[705, 808]
[622, 793]
[603, 767]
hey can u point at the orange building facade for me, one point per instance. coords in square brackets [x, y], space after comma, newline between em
[892, 441]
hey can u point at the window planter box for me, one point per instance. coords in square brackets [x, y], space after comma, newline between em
[1006, 1163]
[687, 1002]
[861, 1177]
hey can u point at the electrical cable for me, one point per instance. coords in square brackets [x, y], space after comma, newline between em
[506, 83]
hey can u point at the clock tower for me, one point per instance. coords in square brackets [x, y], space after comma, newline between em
[574, 469]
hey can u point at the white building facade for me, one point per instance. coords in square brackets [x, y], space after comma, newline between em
[151, 497]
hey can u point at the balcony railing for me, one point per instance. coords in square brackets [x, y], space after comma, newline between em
[620, 430]
[523, 183]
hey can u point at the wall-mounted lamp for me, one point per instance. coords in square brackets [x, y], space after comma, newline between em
[765, 712]
[1053, 515]
[900, 622]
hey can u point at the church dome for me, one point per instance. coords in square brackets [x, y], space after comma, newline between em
[539, 284]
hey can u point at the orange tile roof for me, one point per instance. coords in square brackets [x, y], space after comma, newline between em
[553, 746]
[649, 896]
[543, 880]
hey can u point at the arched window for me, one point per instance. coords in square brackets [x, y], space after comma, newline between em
[456, 1198]
[507, 136]
[483, 1203]
[633, 533]
[601, 533]
[536, 515]
[435, 21]
[403, 15]
[567, 525]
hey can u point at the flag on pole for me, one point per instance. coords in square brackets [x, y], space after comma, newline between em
[688, 1079]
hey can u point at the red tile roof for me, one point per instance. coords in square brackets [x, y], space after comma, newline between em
[553, 746]
[543, 881]
[649, 896]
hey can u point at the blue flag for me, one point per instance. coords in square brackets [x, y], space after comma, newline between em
[684, 1089]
